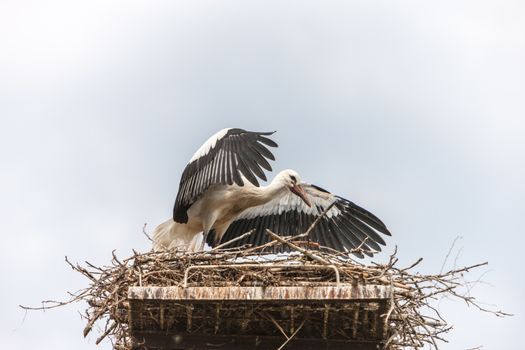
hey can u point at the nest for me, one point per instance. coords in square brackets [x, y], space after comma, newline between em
[408, 318]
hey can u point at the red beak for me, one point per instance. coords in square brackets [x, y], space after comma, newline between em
[298, 190]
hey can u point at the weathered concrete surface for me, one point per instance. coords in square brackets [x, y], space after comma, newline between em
[342, 292]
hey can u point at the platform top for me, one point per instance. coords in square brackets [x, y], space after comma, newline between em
[339, 292]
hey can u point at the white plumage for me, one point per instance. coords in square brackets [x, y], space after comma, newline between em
[209, 144]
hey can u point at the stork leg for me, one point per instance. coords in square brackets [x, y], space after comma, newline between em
[204, 237]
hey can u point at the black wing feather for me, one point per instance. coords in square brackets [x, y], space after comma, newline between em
[263, 151]
[344, 227]
[224, 159]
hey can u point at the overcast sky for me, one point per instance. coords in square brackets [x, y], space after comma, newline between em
[412, 109]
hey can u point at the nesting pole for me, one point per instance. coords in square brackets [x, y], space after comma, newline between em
[294, 315]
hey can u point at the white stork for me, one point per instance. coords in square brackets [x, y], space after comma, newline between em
[219, 194]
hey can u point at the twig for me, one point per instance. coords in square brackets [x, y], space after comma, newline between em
[307, 233]
[293, 335]
[449, 252]
[232, 240]
[297, 248]
[145, 233]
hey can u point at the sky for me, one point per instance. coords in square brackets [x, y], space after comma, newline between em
[411, 109]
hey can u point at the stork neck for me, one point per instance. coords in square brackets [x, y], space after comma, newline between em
[273, 190]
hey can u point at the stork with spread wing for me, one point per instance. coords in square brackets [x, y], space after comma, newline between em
[220, 197]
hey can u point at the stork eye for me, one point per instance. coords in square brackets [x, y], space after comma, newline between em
[293, 178]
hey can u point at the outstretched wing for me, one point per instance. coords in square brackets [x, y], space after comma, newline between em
[344, 226]
[222, 159]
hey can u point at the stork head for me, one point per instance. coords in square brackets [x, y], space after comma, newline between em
[292, 180]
